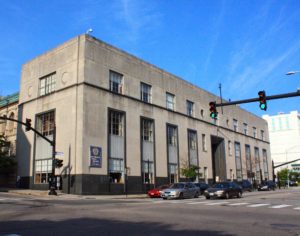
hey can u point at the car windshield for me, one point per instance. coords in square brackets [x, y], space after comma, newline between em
[177, 185]
[221, 185]
[162, 186]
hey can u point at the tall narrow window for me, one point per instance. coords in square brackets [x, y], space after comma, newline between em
[235, 125]
[190, 108]
[170, 99]
[254, 132]
[146, 93]
[172, 153]
[257, 163]
[287, 122]
[43, 150]
[193, 150]
[265, 160]
[115, 82]
[147, 126]
[238, 161]
[47, 84]
[245, 127]
[204, 147]
[248, 162]
[116, 146]
[262, 134]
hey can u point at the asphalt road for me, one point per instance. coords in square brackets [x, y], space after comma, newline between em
[257, 213]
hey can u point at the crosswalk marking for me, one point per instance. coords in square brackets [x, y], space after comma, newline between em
[279, 206]
[259, 205]
[192, 203]
[216, 203]
[297, 208]
[238, 204]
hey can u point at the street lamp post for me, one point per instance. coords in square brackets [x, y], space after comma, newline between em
[292, 72]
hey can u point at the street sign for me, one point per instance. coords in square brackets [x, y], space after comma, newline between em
[59, 153]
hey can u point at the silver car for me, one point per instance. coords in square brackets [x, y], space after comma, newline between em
[181, 190]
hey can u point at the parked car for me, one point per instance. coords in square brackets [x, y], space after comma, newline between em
[180, 190]
[224, 190]
[266, 186]
[202, 187]
[156, 191]
[246, 185]
[292, 183]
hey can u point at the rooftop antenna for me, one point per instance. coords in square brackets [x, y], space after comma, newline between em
[89, 31]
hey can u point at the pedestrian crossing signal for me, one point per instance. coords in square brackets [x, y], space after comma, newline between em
[213, 110]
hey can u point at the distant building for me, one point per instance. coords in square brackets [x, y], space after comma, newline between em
[9, 108]
[284, 131]
[123, 124]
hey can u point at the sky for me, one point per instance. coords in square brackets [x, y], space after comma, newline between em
[246, 46]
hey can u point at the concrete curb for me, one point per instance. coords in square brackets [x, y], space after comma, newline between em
[44, 193]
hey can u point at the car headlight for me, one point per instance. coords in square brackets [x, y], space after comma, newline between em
[220, 192]
[206, 191]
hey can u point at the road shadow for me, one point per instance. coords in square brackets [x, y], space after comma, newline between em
[91, 226]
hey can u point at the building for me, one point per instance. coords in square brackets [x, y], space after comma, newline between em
[284, 130]
[9, 108]
[122, 124]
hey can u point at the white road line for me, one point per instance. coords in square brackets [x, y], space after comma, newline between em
[238, 204]
[258, 205]
[279, 206]
[216, 203]
[297, 208]
[192, 203]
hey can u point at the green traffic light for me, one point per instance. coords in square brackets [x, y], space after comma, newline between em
[263, 106]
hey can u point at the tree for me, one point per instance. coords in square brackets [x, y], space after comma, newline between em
[284, 173]
[189, 171]
[7, 163]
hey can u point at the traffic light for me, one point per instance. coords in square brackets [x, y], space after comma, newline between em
[262, 100]
[58, 163]
[28, 124]
[213, 110]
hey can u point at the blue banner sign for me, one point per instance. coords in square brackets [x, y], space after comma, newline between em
[95, 156]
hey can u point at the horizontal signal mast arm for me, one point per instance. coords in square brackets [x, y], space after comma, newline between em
[34, 130]
[285, 95]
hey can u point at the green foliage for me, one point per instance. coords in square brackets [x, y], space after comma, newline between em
[190, 172]
[284, 173]
[6, 163]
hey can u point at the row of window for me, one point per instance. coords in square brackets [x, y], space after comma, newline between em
[45, 124]
[116, 84]
[251, 172]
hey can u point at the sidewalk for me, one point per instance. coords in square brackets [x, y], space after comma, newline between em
[60, 195]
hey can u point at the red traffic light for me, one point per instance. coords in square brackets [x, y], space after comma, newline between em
[28, 124]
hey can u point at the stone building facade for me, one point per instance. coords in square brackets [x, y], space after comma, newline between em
[9, 108]
[122, 124]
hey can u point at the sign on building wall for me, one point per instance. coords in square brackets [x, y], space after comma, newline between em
[95, 156]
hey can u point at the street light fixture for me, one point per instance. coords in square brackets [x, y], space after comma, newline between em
[292, 72]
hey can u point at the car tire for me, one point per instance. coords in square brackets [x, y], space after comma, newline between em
[207, 197]
[226, 195]
[196, 195]
[164, 198]
[239, 195]
[181, 196]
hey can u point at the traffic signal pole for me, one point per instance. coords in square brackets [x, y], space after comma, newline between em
[52, 143]
[285, 95]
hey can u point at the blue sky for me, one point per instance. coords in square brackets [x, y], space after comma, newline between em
[245, 45]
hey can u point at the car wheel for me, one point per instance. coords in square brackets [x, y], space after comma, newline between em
[207, 197]
[239, 195]
[227, 195]
[269, 189]
[164, 198]
[181, 195]
[196, 195]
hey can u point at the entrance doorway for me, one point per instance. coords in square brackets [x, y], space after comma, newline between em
[218, 159]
